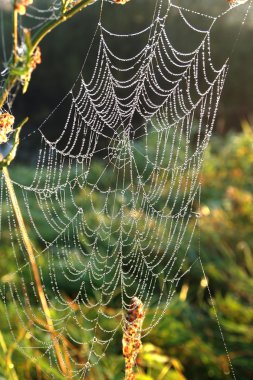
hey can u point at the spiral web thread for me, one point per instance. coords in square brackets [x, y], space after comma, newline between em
[123, 228]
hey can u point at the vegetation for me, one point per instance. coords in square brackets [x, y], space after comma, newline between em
[187, 344]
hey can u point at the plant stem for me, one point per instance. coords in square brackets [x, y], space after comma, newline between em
[15, 33]
[27, 243]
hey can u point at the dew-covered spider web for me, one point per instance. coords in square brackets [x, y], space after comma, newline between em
[121, 228]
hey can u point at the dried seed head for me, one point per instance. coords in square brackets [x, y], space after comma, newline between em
[6, 126]
[20, 6]
[131, 341]
[36, 58]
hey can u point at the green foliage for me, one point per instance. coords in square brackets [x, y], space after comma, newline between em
[187, 343]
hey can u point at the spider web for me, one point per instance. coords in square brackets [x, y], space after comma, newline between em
[122, 228]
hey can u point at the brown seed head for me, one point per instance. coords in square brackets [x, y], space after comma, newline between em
[6, 126]
[131, 341]
[20, 6]
[36, 58]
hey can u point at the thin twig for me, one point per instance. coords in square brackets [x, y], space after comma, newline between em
[15, 33]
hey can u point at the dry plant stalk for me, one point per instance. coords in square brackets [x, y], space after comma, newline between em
[49, 325]
[131, 342]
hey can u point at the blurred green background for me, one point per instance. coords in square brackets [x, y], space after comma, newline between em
[187, 343]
